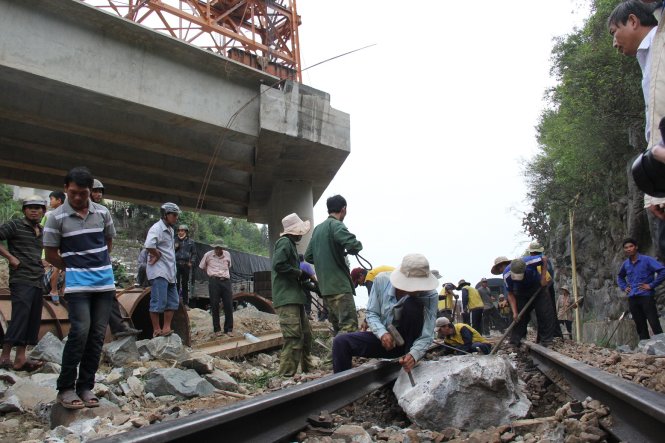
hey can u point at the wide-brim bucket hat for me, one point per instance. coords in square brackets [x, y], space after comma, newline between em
[414, 275]
[293, 225]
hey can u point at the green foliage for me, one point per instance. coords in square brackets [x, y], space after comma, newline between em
[9, 208]
[583, 134]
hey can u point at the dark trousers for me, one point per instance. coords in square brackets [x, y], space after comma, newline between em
[557, 330]
[88, 317]
[643, 308]
[477, 319]
[544, 314]
[182, 282]
[27, 301]
[221, 290]
[365, 344]
[115, 318]
[142, 278]
[569, 326]
[660, 233]
[491, 320]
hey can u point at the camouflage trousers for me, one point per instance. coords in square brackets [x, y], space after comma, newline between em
[297, 335]
[341, 312]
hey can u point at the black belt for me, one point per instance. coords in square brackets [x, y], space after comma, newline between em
[219, 278]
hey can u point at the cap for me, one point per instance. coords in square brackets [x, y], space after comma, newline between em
[517, 269]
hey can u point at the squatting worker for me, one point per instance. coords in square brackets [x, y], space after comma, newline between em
[217, 264]
[330, 242]
[24, 254]
[363, 277]
[461, 337]
[78, 238]
[161, 271]
[638, 276]
[289, 299]
[405, 298]
[522, 278]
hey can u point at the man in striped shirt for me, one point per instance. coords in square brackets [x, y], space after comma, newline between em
[78, 238]
[24, 250]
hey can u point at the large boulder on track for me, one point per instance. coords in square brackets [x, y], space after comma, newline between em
[465, 392]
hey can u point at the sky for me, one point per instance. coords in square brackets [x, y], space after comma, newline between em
[443, 115]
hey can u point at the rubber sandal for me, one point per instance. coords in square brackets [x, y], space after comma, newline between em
[157, 334]
[89, 399]
[166, 334]
[30, 366]
[67, 399]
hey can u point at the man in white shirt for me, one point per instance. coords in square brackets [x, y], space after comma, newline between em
[217, 264]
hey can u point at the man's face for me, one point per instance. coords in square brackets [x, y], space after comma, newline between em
[219, 251]
[626, 38]
[361, 279]
[97, 195]
[78, 196]
[54, 202]
[33, 213]
[630, 249]
[171, 218]
[483, 284]
[182, 233]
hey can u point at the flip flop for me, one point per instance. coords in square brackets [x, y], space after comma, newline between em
[68, 399]
[30, 365]
[89, 399]
[167, 333]
[157, 333]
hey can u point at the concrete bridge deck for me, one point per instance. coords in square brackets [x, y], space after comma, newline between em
[144, 112]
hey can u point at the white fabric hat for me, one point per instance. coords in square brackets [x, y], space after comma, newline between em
[294, 225]
[414, 275]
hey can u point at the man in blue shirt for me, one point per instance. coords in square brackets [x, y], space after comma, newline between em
[638, 277]
[404, 298]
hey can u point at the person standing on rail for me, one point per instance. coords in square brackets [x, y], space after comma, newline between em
[161, 271]
[638, 276]
[330, 242]
[26, 270]
[289, 299]
[363, 277]
[78, 238]
[185, 256]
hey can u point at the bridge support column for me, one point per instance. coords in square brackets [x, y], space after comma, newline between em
[290, 196]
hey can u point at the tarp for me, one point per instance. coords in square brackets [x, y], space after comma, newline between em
[243, 267]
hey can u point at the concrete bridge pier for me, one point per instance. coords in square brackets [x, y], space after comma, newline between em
[290, 196]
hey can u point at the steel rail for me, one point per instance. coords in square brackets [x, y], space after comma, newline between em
[272, 417]
[638, 413]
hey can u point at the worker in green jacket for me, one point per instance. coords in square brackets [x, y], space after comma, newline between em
[327, 252]
[289, 299]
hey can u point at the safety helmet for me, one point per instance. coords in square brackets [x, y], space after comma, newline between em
[184, 228]
[96, 184]
[34, 200]
[169, 208]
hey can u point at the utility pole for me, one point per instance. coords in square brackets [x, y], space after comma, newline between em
[573, 263]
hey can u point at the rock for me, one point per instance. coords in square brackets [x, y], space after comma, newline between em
[624, 349]
[85, 427]
[49, 349]
[49, 368]
[30, 394]
[265, 360]
[65, 417]
[166, 348]
[11, 424]
[47, 380]
[222, 380]
[653, 346]
[121, 352]
[10, 404]
[142, 346]
[201, 363]
[114, 376]
[9, 377]
[139, 422]
[483, 391]
[135, 386]
[352, 433]
[173, 381]
[507, 436]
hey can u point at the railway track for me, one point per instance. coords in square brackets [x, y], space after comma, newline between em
[638, 414]
[272, 417]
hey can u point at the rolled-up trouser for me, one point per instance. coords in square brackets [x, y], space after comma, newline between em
[342, 312]
[297, 335]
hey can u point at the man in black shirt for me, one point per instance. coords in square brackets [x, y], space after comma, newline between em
[185, 255]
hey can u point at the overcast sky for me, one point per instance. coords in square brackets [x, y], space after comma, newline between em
[443, 113]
